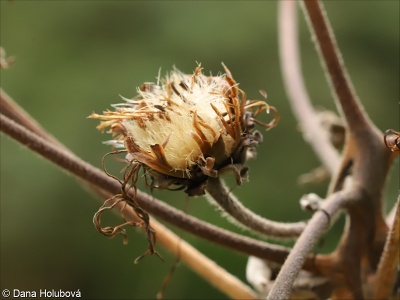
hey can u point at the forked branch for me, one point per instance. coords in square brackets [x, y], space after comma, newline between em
[365, 158]
[315, 228]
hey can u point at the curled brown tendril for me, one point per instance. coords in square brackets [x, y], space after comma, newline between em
[392, 140]
[127, 197]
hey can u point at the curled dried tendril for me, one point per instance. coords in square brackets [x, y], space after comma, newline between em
[116, 230]
[392, 139]
[127, 197]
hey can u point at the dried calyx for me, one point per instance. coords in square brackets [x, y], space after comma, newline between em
[186, 128]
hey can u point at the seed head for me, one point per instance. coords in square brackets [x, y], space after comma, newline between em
[185, 128]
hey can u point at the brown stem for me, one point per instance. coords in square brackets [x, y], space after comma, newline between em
[12, 110]
[358, 121]
[388, 265]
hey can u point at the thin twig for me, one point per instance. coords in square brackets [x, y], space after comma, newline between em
[218, 192]
[388, 265]
[315, 228]
[295, 87]
[85, 171]
[11, 109]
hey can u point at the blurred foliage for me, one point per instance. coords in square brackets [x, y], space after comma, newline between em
[75, 57]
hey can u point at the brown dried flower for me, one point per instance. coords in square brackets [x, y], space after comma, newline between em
[186, 128]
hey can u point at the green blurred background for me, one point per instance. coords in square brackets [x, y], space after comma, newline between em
[76, 57]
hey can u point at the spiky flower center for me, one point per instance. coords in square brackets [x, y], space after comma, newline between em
[182, 123]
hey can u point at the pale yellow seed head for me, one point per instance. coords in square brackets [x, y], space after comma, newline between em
[186, 126]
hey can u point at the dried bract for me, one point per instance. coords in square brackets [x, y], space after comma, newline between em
[392, 140]
[186, 128]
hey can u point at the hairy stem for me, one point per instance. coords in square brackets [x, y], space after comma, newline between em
[359, 124]
[295, 87]
[315, 228]
[389, 263]
[218, 192]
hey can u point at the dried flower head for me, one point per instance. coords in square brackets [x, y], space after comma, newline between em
[186, 128]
